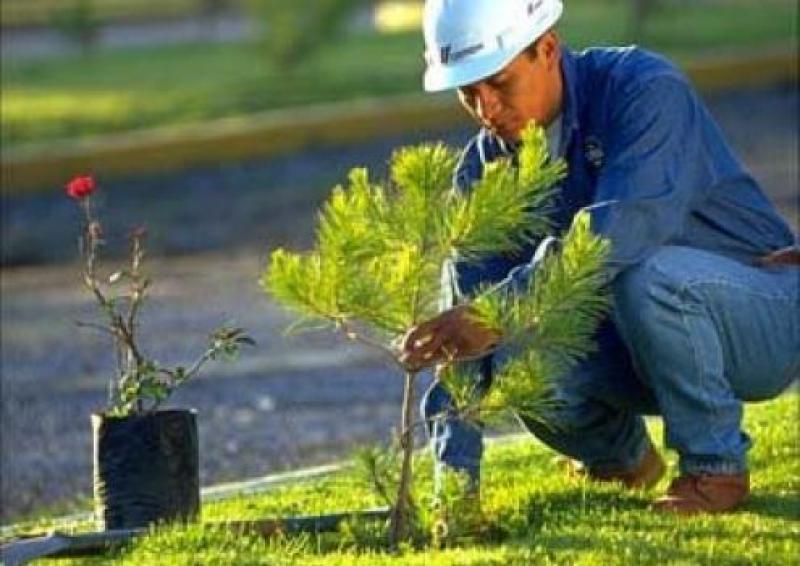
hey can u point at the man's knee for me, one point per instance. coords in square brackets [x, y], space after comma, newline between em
[661, 283]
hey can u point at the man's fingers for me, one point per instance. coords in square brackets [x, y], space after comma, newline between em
[419, 336]
[410, 339]
[421, 347]
[428, 348]
[448, 337]
[421, 342]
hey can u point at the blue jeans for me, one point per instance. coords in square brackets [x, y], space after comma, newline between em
[691, 336]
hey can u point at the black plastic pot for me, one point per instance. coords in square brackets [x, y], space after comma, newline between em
[145, 468]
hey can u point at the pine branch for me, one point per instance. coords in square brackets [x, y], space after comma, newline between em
[550, 327]
[509, 206]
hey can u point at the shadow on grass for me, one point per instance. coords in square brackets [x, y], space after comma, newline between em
[780, 506]
[572, 507]
[589, 497]
[618, 526]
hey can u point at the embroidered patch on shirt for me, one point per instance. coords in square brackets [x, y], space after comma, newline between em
[594, 152]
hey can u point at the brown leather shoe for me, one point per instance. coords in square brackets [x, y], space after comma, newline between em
[644, 476]
[690, 494]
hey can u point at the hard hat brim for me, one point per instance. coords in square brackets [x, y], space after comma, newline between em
[442, 77]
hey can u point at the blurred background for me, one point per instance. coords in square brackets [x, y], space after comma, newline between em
[221, 125]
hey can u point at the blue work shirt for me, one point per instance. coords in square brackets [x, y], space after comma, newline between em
[648, 162]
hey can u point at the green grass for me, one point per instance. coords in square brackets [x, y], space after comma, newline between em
[534, 512]
[122, 90]
[114, 91]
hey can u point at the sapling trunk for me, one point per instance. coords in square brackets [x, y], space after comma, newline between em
[401, 517]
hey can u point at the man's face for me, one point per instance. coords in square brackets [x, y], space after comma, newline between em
[528, 88]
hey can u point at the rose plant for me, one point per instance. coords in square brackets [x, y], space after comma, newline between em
[146, 459]
[141, 383]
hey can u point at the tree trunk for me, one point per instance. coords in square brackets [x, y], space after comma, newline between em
[400, 524]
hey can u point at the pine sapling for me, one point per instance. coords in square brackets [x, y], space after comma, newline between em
[374, 273]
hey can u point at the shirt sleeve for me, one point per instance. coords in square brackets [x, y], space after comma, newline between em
[656, 169]
[522, 276]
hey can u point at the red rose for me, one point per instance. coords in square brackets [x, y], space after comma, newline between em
[81, 187]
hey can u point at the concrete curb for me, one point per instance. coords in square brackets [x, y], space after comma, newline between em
[45, 166]
[216, 492]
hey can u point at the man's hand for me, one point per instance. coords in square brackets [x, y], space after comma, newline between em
[452, 335]
[785, 256]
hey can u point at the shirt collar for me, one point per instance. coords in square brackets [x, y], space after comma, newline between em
[553, 133]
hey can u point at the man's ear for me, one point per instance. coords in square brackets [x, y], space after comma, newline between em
[549, 49]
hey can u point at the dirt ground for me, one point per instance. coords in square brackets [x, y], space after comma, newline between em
[290, 401]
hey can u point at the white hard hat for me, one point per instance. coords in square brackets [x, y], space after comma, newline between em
[469, 40]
